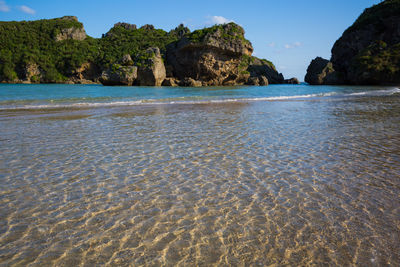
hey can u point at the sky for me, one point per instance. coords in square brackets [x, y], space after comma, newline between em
[290, 33]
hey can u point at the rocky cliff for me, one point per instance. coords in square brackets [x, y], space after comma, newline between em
[368, 52]
[71, 33]
[60, 51]
[219, 55]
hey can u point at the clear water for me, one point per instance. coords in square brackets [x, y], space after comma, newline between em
[284, 175]
[71, 96]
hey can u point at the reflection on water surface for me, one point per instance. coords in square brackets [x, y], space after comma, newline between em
[285, 182]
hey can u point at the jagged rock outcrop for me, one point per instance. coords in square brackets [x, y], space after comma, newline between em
[126, 26]
[189, 82]
[87, 73]
[261, 67]
[170, 82]
[127, 60]
[258, 81]
[212, 56]
[180, 31]
[368, 52]
[71, 33]
[32, 73]
[120, 74]
[293, 80]
[151, 69]
[320, 71]
[147, 27]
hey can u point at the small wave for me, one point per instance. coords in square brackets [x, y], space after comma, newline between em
[377, 92]
[182, 101]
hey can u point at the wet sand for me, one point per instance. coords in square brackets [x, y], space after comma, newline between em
[312, 182]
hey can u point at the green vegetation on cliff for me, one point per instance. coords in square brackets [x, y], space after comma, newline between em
[229, 31]
[368, 52]
[374, 14]
[120, 41]
[58, 50]
[378, 62]
[35, 42]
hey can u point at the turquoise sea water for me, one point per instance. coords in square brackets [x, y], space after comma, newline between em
[128, 176]
[60, 95]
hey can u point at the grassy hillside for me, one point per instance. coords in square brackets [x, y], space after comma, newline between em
[22, 43]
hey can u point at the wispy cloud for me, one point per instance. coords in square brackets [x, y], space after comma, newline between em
[4, 7]
[293, 45]
[218, 20]
[271, 44]
[27, 10]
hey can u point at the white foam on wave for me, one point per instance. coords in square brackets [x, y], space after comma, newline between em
[377, 92]
[183, 102]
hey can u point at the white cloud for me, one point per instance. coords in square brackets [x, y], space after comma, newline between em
[272, 44]
[4, 7]
[293, 45]
[27, 10]
[219, 20]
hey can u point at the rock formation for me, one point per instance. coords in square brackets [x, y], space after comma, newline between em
[87, 73]
[32, 73]
[260, 80]
[120, 74]
[126, 55]
[170, 82]
[71, 33]
[261, 67]
[189, 82]
[147, 27]
[320, 71]
[219, 55]
[211, 56]
[151, 69]
[126, 26]
[292, 81]
[368, 52]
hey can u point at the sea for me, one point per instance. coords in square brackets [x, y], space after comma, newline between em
[282, 175]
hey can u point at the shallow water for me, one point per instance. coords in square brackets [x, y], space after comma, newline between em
[286, 181]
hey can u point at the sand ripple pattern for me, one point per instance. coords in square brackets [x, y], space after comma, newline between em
[267, 183]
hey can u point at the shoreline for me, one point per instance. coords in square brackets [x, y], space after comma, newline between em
[151, 102]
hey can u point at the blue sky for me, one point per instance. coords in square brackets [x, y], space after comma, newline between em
[288, 32]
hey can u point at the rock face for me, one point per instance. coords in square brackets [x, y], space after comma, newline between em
[293, 80]
[147, 27]
[72, 33]
[32, 73]
[320, 71]
[119, 74]
[170, 82]
[126, 26]
[368, 52]
[259, 67]
[126, 55]
[87, 73]
[259, 81]
[151, 69]
[189, 82]
[212, 56]
[126, 60]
